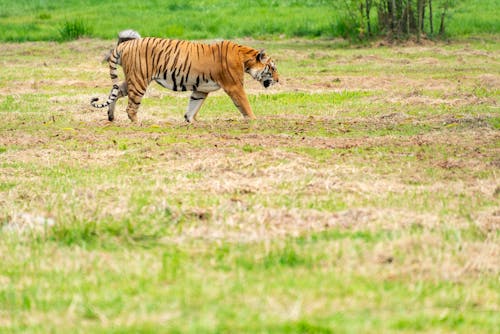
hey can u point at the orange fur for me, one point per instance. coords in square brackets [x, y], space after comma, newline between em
[186, 66]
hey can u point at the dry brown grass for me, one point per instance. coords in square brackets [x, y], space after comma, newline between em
[364, 198]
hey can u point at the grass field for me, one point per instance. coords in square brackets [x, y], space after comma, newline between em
[363, 199]
[24, 20]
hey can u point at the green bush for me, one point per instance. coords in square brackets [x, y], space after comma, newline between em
[74, 29]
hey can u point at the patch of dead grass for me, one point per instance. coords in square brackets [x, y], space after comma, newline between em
[237, 222]
[223, 170]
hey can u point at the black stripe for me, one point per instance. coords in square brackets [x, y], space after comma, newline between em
[176, 46]
[182, 67]
[175, 83]
[227, 65]
[169, 47]
[175, 61]
[135, 91]
[183, 87]
[160, 64]
[220, 51]
[137, 50]
[164, 51]
[186, 64]
[154, 59]
[142, 85]
[163, 41]
[156, 62]
[146, 56]
[134, 101]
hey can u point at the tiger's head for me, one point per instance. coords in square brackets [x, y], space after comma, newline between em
[263, 69]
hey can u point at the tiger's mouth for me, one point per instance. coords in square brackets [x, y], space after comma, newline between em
[267, 83]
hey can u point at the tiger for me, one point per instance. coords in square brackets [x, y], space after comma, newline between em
[182, 65]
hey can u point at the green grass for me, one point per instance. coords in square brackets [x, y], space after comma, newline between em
[75, 29]
[358, 201]
[292, 285]
[63, 20]
[182, 19]
[473, 16]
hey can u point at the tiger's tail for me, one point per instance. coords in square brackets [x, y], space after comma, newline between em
[114, 61]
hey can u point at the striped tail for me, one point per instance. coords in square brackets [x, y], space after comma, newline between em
[112, 98]
[114, 59]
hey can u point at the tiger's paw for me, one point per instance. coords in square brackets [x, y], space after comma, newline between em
[188, 118]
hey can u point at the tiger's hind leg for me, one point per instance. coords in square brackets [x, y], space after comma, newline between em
[195, 101]
[135, 93]
[121, 93]
[132, 107]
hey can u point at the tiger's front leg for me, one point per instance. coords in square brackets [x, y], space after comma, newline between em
[195, 101]
[240, 100]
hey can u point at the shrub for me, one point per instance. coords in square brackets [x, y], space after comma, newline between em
[74, 29]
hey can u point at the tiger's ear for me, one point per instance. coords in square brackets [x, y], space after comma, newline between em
[261, 55]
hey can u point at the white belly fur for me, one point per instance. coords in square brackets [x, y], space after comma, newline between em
[165, 83]
[205, 87]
